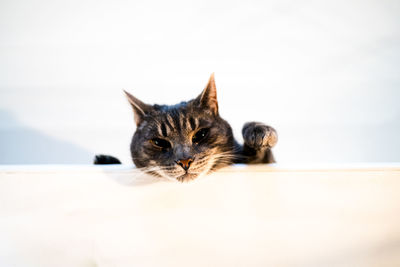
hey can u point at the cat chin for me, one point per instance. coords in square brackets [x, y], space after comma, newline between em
[187, 177]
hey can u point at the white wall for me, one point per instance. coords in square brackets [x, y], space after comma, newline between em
[325, 74]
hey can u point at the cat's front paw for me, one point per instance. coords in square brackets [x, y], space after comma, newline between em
[259, 136]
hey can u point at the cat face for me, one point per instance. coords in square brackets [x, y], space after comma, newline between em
[183, 141]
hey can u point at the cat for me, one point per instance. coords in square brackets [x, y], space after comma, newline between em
[190, 139]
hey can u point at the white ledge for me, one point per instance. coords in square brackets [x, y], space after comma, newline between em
[261, 215]
[361, 166]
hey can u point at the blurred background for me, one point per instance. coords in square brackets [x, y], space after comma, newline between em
[325, 74]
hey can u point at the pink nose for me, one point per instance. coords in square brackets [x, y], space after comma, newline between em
[185, 163]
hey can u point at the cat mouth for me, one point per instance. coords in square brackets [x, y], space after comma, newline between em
[187, 177]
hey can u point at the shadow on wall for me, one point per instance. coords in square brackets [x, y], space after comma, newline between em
[23, 145]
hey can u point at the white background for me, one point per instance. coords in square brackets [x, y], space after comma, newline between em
[325, 74]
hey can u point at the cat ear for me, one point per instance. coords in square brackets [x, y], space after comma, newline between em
[208, 98]
[139, 108]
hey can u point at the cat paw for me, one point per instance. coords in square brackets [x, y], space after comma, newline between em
[259, 136]
[105, 159]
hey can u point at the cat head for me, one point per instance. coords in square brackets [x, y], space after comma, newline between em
[182, 141]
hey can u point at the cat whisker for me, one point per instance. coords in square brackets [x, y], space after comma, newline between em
[156, 168]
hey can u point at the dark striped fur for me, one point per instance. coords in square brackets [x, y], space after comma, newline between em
[190, 139]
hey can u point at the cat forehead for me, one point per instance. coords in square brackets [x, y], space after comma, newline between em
[176, 121]
[183, 110]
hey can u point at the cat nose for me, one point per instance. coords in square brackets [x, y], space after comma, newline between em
[184, 163]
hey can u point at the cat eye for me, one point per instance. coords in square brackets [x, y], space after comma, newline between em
[200, 135]
[160, 143]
